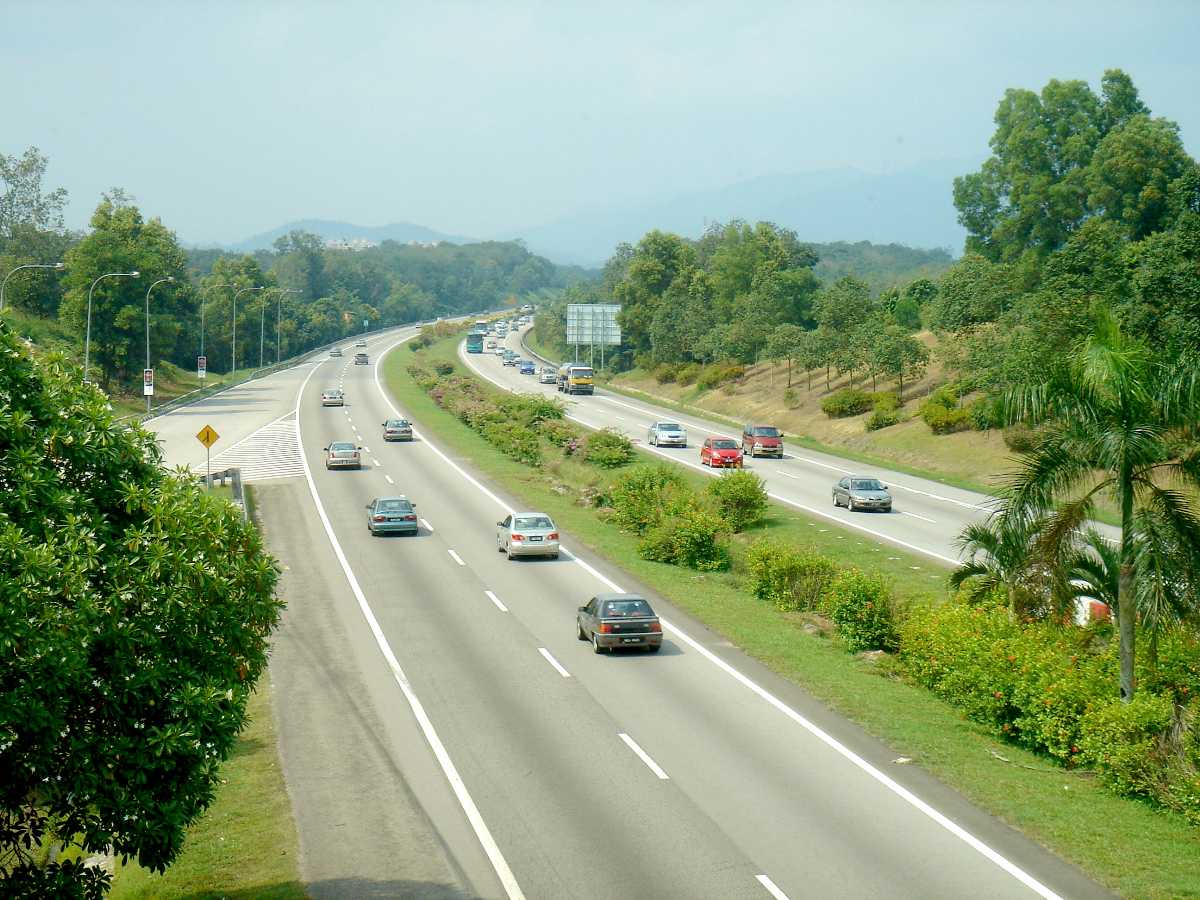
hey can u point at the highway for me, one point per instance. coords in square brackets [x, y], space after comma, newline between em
[927, 516]
[543, 770]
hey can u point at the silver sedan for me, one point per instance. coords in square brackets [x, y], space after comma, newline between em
[527, 534]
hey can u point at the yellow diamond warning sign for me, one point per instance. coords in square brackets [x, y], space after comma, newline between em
[207, 436]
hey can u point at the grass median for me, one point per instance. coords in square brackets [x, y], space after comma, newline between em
[1069, 812]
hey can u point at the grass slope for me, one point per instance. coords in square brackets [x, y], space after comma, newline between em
[1066, 811]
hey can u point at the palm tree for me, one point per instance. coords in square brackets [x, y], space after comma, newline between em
[1114, 420]
[1001, 559]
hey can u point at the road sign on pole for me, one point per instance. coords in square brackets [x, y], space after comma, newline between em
[201, 367]
[207, 436]
[148, 382]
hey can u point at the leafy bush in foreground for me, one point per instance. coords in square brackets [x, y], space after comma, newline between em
[741, 498]
[639, 496]
[607, 449]
[689, 536]
[790, 577]
[860, 604]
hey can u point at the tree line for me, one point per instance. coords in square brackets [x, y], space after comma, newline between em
[278, 302]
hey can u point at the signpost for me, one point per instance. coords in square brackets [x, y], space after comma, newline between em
[592, 324]
[201, 367]
[207, 436]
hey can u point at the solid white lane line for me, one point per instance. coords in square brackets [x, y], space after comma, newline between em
[367, 449]
[377, 463]
[772, 887]
[644, 757]
[842, 750]
[507, 880]
[554, 662]
[458, 559]
[500, 606]
[428, 527]
[905, 512]
[388, 478]
[789, 475]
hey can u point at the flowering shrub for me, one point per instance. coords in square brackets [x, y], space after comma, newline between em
[792, 578]
[861, 607]
[608, 449]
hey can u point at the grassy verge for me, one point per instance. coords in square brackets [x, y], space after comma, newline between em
[1069, 812]
[245, 845]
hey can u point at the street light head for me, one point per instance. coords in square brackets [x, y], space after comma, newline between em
[59, 265]
[171, 278]
[135, 274]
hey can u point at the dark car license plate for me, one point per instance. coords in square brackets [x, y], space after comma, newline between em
[631, 640]
[535, 538]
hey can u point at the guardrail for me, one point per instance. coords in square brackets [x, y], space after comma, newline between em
[234, 476]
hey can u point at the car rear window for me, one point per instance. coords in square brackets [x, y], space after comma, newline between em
[725, 445]
[393, 505]
[533, 522]
[627, 608]
[341, 445]
[765, 431]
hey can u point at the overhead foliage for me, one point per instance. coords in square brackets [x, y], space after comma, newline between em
[135, 613]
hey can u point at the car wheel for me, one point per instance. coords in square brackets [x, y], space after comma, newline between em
[654, 648]
[596, 648]
[836, 503]
[579, 631]
[850, 504]
[554, 556]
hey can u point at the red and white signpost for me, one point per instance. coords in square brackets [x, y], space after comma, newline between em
[201, 367]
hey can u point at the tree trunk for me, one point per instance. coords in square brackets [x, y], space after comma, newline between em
[809, 372]
[901, 379]
[789, 371]
[1126, 609]
[874, 386]
[827, 387]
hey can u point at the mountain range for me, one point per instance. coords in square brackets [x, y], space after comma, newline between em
[912, 207]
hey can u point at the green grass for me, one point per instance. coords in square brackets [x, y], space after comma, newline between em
[1069, 812]
[245, 844]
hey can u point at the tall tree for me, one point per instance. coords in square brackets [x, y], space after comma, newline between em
[1114, 408]
[24, 203]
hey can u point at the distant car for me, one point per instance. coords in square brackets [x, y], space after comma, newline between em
[527, 534]
[610, 621]
[527, 367]
[335, 352]
[548, 375]
[360, 359]
[862, 492]
[721, 453]
[666, 434]
[511, 359]
[343, 455]
[500, 351]
[762, 440]
[392, 515]
[489, 344]
[361, 342]
[397, 430]
[333, 397]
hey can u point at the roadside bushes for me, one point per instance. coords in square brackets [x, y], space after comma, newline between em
[655, 502]
[719, 373]
[443, 367]
[886, 411]
[639, 496]
[607, 449]
[740, 497]
[792, 578]
[861, 607]
[846, 402]
[687, 375]
[664, 373]
[942, 414]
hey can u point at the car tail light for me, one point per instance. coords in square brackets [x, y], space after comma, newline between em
[379, 518]
[518, 537]
[605, 628]
[410, 518]
[655, 626]
[552, 536]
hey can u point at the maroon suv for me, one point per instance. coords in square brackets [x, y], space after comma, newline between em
[762, 440]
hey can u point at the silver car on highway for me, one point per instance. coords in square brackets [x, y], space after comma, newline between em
[862, 492]
[666, 434]
[527, 534]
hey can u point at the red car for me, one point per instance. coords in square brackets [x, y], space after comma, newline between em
[762, 440]
[721, 453]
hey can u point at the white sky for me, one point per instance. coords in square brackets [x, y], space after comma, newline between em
[226, 119]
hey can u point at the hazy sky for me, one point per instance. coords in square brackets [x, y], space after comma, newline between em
[226, 119]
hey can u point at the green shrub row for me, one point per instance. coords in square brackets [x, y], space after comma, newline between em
[707, 377]
[608, 449]
[846, 402]
[1050, 688]
[943, 414]
[886, 411]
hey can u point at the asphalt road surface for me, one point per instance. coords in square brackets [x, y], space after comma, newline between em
[542, 770]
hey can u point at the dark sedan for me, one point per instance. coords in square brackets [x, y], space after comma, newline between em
[611, 621]
[392, 515]
[862, 492]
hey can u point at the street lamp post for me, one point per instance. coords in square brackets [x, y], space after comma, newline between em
[237, 294]
[4, 283]
[87, 341]
[278, 309]
[169, 278]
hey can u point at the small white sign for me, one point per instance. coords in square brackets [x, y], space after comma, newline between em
[147, 382]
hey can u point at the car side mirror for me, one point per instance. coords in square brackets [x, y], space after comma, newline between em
[358, 448]
[367, 506]
[583, 608]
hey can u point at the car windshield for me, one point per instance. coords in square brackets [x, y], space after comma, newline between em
[724, 445]
[866, 484]
[581, 373]
[636, 607]
[532, 522]
[766, 431]
[393, 505]
[668, 426]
